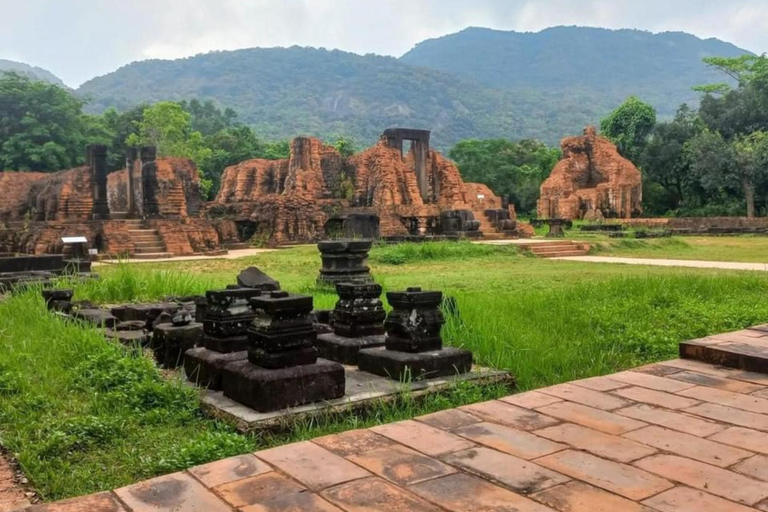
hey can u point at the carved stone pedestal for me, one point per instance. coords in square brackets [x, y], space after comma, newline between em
[170, 342]
[344, 261]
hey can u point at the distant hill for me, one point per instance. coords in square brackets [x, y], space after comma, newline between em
[30, 71]
[604, 64]
[478, 83]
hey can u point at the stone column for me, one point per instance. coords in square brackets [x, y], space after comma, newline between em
[130, 159]
[149, 181]
[420, 153]
[96, 155]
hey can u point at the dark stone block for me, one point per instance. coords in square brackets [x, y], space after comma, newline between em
[57, 295]
[423, 365]
[28, 263]
[344, 261]
[147, 313]
[204, 367]
[252, 277]
[169, 342]
[275, 360]
[226, 345]
[415, 321]
[270, 390]
[131, 325]
[130, 338]
[359, 311]
[63, 306]
[96, 317]
[344, 350]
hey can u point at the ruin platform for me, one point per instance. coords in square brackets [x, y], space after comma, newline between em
[414, 365]
[344, 350]
[204, 367]
[363, 390]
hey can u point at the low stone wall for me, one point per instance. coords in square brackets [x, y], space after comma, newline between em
[704, 225]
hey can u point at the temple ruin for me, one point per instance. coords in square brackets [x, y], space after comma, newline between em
[592, 181]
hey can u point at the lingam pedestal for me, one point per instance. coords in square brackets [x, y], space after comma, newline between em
[344, 261]
[282, 369]
[171, 341]
[225, 335]
[358, 323]
[413, 347]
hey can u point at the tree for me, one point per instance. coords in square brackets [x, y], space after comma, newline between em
[629, 126]
[42, 127]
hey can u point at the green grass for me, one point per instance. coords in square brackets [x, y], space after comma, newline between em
[743, 248]
[85, 415]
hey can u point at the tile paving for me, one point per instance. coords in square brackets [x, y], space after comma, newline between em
[679, 436]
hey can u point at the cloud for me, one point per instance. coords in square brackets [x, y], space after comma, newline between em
[80, 39]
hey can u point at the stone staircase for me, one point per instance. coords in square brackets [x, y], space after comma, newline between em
[556, 249]
[147, 242]
[487, 228]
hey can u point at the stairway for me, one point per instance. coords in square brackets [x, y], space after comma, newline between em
[486, 228]
[559, 249]
[147, 242]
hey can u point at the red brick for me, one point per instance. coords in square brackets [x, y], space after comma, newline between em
[713, 381]
[730, 415]
[509, 440]
[422, 437]
[229, 470]
[744, 438]
[462, 492]
[721, 482]
[658, 370]
[675, 420]
[585, 396]
[171, 493]
[312, 465]
[593, 418]
[376, 495]
[580, 497]
[699, 366]
[684, 499]
[599, 383]
[353, 442]
[510, 415]
[302, 502]
[271, 492]
[761, 393]
[102, 502]
[531, 400]
[517, 474]
[728, 399]
[756, 467]
[689, 446]
[598, 443]
[651, 381]
[401, 465]
[449, 419]
[622, 479]
[659, 398]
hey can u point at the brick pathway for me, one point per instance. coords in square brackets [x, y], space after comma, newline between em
[661, 262]
[679, 436]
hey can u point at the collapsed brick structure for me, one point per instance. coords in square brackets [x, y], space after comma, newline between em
[592, 181]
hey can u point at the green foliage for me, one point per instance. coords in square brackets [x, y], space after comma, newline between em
[399, 254]
[629, 126]
[514, 169]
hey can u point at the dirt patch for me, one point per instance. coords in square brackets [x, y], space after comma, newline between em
[14, 486]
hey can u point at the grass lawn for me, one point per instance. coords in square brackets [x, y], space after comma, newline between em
[85, 415]
[742, 248]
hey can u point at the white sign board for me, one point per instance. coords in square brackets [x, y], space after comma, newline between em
[74, 240]
[93, 252]
[481, 196]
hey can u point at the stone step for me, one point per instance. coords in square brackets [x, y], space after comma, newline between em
[564, 254]
[142, 231]
[744, 350]
[151, 255]
[559, 248]
[148, 243]
[154, 247]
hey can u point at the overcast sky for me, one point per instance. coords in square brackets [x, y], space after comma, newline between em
[80, 39]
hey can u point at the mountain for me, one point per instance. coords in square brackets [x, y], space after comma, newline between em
[478, 83]
[30, 71]
[602, 63]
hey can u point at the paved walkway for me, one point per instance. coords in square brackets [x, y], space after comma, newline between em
[679, 436]
[231, 255]
[724, 265]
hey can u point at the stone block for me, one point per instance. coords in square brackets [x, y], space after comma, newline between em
[96, 317]
[344, 350]
[225, 345]
[170, 342]
[407, 365]
[204, 367]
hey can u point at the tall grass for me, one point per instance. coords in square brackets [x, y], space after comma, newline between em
[399, 254]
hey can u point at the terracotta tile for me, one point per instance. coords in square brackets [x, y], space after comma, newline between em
[730, 415]
[449, 419]
[658, 370]
[684, 499]
[462, 492]
[761, 393]
[649, 396]
[401, 465]
[312, 465]
[689, 446]
[531, 400]
[728, 399]
[423, 437]
[353, 442]
[622, 479]
[171, 493]
[229, 470]
[599, 383]
[593, 418]
[271, 492]
[510, 415]
[756, 467]
[712, 381]
[509, 440]
[645, 380]
[580, 497]
[754, 377]
[711, 479]
[518, 474]
[584, 396]
[596, 442]
[102, 502]
[744, 438]
[672, 419]
[699, 366]
[376, 495]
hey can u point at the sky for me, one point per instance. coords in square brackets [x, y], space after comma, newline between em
[81, 39]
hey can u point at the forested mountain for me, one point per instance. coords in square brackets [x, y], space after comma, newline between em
[30, 71]
[486, 84]
[601, 63]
